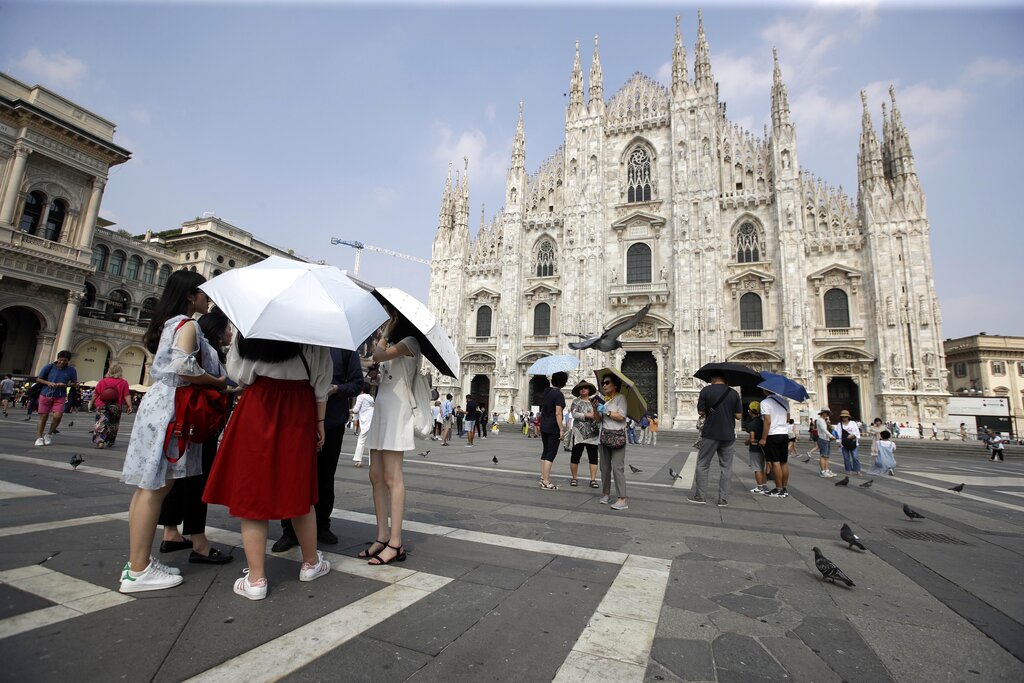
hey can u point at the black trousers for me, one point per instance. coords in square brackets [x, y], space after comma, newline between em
[326, 467]
[481, 427]
[184, 503]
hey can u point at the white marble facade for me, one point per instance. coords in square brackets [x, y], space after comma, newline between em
[656, 196]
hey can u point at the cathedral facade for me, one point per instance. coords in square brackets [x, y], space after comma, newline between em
[655, 196]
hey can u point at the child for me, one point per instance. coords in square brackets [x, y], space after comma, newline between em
[885, 460]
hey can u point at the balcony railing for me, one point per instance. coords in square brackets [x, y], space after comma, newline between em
[22, 239]
[482, 340]
[839, 333]
[752, 335]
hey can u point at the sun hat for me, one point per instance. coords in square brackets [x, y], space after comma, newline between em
[845, 413]
[584, 384]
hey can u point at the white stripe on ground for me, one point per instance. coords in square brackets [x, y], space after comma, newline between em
[943, 489]
[47, 526]
[11, 490]
[619, 636]
[1013, 493]
[970, 481]
[88, 469]
[689, 471]
[74, 598]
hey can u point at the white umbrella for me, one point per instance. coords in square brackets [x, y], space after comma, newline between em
[548, 365]
[435, 344]
[288, 300]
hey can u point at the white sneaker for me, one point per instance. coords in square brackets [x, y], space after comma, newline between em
[149, 579]
[759, 490]
[824, 474]
[47, 440]
[311, 572]
[164, 567]
[40, 442]
[604, 500]
[253, 591]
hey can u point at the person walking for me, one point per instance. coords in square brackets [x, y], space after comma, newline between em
[824, 439]
[775, 440]
[6, 393]
[552, 427]
[720, 407]
[363, 411]
[391, 434]
[55, 379]
[885, 455]
[613, 458]
[267, 464]
[151, 463]
[850, 438]
[585, 431]
[995, 445]
[447, 419]
[110, 394]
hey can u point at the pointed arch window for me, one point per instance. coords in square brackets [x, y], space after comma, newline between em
[749, 245]
[32, 213]
[100, 253]
[55, 220]
[751, 317]
[542, 320]
[483, 321]
[638, 176]
[837, 308]
[638, 264]
[545, 259]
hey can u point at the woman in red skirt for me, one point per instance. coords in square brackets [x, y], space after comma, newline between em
[266, 466]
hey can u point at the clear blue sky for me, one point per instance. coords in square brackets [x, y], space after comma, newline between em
[299, 123]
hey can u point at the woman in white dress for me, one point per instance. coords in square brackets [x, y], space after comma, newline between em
[391, 434]
[177, 344]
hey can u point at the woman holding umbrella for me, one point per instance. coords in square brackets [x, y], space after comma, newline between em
[613, 441]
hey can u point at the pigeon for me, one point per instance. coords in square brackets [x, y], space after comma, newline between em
[911, 512]
[957, 489]
[495, 460]
[71, 424]
[424, 453]
[609, 339]
[843, 482]
[672, 473]
[76, 460]
[846, 533]
[828, 570]
[577, 334]
[867, 484]
[634, 470]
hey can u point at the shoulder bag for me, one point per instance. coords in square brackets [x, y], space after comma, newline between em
[702, 420]
[200, 411]
[613, 438]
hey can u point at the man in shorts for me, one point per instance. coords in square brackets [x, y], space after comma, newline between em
[55, 377]
[775, 440]
[447, 419]
[6, 393]
[755, 453]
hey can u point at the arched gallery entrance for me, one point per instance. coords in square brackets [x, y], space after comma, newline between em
[843, 394]
[641, 367]
[480, 390]
[92, 359]
[19, 330]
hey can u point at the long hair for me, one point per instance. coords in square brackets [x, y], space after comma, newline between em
[213, 325]
[267, 350]
[402, 329]
[172, 302]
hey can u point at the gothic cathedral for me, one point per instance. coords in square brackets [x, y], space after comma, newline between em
[656, 197]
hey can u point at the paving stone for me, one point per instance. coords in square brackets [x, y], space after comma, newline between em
[687, 659]
[842, 648]
[498, 577]
[741, 658]
[593, 574]
[798, 659]
[14, 601]
[680, 623]
[747, 605]
[762, 591]
[656, 673]
[710, 576]
[758, 553]
[361, 659]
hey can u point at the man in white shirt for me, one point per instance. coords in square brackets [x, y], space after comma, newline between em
[775, 440]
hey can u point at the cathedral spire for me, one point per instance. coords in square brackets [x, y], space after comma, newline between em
[519, 145]
[903, 157]
[596, 83]
[702, 60]
[780, 99]
[680, 78]
[465, 191]
[576, 86]
[870, 157]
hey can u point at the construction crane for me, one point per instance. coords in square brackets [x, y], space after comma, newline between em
[359, 246]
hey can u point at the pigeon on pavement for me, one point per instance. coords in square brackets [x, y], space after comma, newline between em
[957, 489]
[828, 570]
[71, 424]
[911, 512]
[495, 460]
[634, 470]
[867, 484]
[424, 453]
[843, 482]
[672, 473]
[846, 533]
[76, 460]
[609, 339]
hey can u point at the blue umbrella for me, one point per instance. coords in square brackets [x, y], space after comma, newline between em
[783, 386]
[548, 365]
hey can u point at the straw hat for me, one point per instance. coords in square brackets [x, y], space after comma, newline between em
[584, 384]
[845, 413]
[824, 411]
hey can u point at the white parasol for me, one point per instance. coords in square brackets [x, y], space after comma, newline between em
[435, 344]
[288, 300]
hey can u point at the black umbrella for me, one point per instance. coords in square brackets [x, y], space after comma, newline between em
[735, 374]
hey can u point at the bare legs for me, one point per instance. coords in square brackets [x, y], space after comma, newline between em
[254, 541]
[143, 514]
[388, 498]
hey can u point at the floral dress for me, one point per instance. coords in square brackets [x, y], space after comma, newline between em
[145, 463]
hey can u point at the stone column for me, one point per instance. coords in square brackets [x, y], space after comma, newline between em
[92, 213]
[67, 325]
[21, 153]
[44, 351]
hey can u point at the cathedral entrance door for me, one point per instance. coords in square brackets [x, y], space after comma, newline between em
[19, 328]
[480, 390]
[641, 367]
[843, 395]
[537, 387]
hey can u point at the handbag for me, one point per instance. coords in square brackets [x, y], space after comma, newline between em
[419, 399]
[569, 441]
[199, 413]
[613, 438]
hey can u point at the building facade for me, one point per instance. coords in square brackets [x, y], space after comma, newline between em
[989, 365]
[67, 280]
[655, 196]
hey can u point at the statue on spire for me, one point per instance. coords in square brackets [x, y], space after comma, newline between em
[680, 77]
[596, 82]
[576, 86]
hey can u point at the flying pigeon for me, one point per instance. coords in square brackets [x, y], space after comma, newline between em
[957, 489]
[634, 470]
[577, 334]
[846, 533]
[843, 482]
[911, 512]
[867, 484]
[672, 473]
[828, 570]
[76, 460]
[424, 453]
[609, 339]
[495, 460]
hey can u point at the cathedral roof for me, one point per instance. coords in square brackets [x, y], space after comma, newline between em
[641, 99]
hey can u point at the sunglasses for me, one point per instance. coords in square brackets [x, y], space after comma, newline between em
[607, 381]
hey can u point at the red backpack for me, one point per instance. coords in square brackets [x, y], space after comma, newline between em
[199, 413]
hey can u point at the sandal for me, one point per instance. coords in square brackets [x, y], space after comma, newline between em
[399, 556]
[593, 484]
[548, 486]
[367, 555]
[574, 482]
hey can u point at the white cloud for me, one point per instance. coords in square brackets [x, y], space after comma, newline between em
[485, 164]
[664, 74]
[991, 69]
[384, 196]
[490, 113]
[54, 71]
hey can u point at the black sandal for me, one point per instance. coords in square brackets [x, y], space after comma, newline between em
[574, 482]
[399, 556]
[367, 555]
